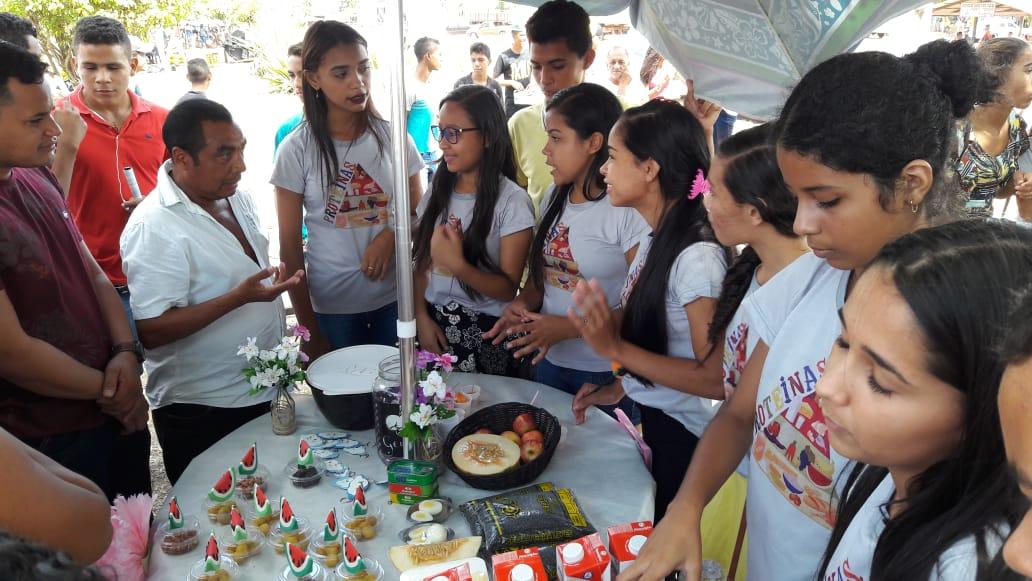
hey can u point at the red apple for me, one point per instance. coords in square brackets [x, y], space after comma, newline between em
[483, 431]
[523, 423]
[529, 451]
[533, 435]
[512, 436]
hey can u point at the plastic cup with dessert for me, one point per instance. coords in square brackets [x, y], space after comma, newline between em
[329, 554]
[240, 550]
[228, 572]
[365, 527]
[263, 524]
[470, 391]
[181, 540]
[319, 573]
[300, 537]
[245, 484]
[219, 511]
[373, 572]
[304, 476]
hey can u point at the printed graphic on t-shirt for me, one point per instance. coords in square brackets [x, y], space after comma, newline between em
[843, 573]
[455, 222]
[356, 199]
[736, 343]
[632, 279]
[790, 443]
[561, 270]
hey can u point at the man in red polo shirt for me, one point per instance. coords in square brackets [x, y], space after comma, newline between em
[122, 130]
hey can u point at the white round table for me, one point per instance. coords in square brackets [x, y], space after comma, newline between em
[597, 460]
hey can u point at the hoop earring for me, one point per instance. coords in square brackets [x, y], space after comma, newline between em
[914, 208]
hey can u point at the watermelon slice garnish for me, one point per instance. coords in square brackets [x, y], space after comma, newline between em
[304, 454]
[175, 516]
[331, 533]
[223, 489]
[249, 463]
[287, 521]
[236, 525]
[361, 508]
[262, 506]
[353, 563]
[301, 563]
[212, 561]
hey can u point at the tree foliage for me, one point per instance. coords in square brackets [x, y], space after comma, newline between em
[55, 19]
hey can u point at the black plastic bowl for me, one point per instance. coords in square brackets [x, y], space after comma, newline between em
[347, 412]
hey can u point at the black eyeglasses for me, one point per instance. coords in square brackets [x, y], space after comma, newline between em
[452, 134]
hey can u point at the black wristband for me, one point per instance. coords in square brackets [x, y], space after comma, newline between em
[133, 347]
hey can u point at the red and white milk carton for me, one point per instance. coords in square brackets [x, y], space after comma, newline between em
[625, 542]
[460, 573]
[521, 565]
[585, 559]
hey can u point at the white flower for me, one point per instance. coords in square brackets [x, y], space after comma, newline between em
[266, 355]
[424, 416]
[394, 422]
[433, 385]
[254, 381]
[250, 349]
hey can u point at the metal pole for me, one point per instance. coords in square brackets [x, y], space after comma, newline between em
[395, 63]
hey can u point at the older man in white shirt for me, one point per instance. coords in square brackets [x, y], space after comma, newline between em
[197, 263]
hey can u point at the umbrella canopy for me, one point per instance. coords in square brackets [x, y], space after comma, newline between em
[747, 54]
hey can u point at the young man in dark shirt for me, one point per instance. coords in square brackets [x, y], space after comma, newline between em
[513, 68]
[480, 61]
[69, 367]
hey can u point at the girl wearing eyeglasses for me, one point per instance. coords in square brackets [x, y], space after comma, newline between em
[473, 234]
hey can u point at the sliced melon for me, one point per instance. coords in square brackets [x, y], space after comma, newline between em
[287, 521]
[330, 531]
[223, 489]
[212, 561]
[249, 463]
[408, 557]
[175, 515]
[485, 454]
[353, 563]
[301, 563]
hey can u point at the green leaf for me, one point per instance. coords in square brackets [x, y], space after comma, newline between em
[411, 431]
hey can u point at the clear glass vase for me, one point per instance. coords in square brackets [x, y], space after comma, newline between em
[284, 414]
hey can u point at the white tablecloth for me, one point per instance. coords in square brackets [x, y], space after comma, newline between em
[597, 460]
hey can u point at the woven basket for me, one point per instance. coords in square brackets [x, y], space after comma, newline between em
[498, 418]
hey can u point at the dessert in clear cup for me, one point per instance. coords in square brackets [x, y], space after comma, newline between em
[356, 567]
[266, 513]
[289, 529]
[364, 523]
[239, 543]
[326, 548]
[213, 567]
[303, 473]
[301, 567]
[220, 502]
[251, 474]
[180, 535]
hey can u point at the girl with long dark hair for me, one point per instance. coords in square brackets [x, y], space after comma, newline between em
[581, 237]
[909, 394]
[656, 153]
[748, 204]
[475, 226]
[337, 165]
[863, 142]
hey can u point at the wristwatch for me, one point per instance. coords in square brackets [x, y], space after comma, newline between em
[133, 347]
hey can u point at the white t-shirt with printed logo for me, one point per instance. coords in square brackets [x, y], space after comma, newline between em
[855, 552]
[785, 289]
[697, 273]
[588, 241]
[345, 217]
[514, 212]
[792, 468]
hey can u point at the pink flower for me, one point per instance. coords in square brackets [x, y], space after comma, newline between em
[300, 330]
[303, 357]
[130, 520]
